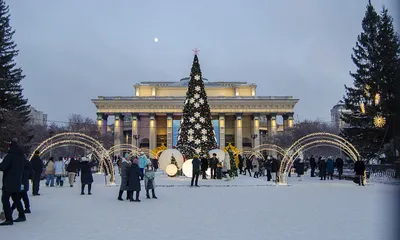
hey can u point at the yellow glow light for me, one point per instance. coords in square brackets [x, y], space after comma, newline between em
[171, 170]
[379, 121]
[377, 99]
[362, 108]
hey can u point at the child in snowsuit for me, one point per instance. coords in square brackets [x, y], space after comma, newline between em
[149, 183]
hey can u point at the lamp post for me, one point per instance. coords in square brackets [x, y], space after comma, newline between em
[136, 137]
[253, 136]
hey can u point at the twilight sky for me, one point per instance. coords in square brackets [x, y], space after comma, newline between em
[73, 51]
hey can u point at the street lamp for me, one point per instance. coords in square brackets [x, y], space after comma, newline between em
[136, 137]
[253, 136]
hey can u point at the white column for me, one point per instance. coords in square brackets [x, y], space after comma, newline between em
[118, 131]
[271, 124]
[239, 135]
[102, 123]
[169, 130]
[135, 130]
[221, 131]
[153, 131]
[256, 129]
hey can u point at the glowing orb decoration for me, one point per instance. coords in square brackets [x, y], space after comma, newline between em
[165, 158]
[362, 108]
[379, 121]
[219, 152]
[208, 172]
[187, 168]
[155, 39]
[377, 99]
[171, 170]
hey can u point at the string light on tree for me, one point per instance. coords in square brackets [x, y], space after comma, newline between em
[196, 116]
[379, 121]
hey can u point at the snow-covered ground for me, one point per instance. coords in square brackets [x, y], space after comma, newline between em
[244, 208]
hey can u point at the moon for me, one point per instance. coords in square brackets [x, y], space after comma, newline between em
[155, 39]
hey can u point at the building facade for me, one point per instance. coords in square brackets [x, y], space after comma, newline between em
[37, 117]
[152, 117]
[336, 115]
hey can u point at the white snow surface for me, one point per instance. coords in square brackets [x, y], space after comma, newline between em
[243, 208]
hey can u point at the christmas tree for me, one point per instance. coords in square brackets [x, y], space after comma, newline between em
[14, 110]
[196, 133]
[371, 99]
[173, 161]
[233, 172]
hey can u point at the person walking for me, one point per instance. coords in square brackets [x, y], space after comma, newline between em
[149, 181]
[125, 164]
[27, 174]
[213, 164]
[143, 161]
[330, 167]
[12, 167]
[256, 167]
[49, 172]
[339, 166]
[322, 168]
[359, 169]
[37, 167]
[86, 175]
[134, 177]
[196, 170]
[248, 166]
[204, 166]
[59, 172]
[72, 168]
[240, 165]
[313, 165]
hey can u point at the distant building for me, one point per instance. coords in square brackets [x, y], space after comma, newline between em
[37, 117]
[336, 114]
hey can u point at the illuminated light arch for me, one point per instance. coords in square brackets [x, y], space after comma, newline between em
[312, 141]
[275, 148]
[132, 149]
[82, 141]
[144, 150]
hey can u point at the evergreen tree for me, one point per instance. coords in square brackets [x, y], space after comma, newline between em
[233, 172]
[196, 133]
[14, 110]
[376, 65]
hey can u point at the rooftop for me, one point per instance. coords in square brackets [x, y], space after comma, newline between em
[185, 81]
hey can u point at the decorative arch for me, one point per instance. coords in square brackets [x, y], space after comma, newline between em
[312, 141]
[132, 149]
[82, 141]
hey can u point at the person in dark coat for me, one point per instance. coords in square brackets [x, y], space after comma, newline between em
[313, 165]
[204, 166]
[268, 166]
[248, 166]
[125, 164]
[322, 169]
[339, 166]
[134, 177]
[359, 169]
[240, 165]
[86, 175]
[72, 168]
[213, 164]
[37, 167]
[28, 174]
[12, 167]
[196, 170]
[299, 167]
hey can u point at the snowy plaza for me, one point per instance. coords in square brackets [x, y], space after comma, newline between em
[238, 209]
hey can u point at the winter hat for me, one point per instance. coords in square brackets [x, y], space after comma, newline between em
[136, 161]
[37, 152]
[126, 155]
[141, 153]
[84, 159]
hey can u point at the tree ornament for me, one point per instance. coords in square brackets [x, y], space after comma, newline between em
[197, 88]
[201, 101]
[192, 119]
[197, 77]
[377, 99]
[379, 121]
[192, 100]
[362, 108]
[191, 131]
[204, 138]
[196, 105]
[197, 126]
[197, 114]
[197, 141]
[202, 120]
[203, 131]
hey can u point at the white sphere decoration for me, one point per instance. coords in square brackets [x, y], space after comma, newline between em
[165, 158]
[219, 152]
[187, 168]
[155, 39]
[208, 172]
[171, 170]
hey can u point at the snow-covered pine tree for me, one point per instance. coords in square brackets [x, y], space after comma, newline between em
[196, 134]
